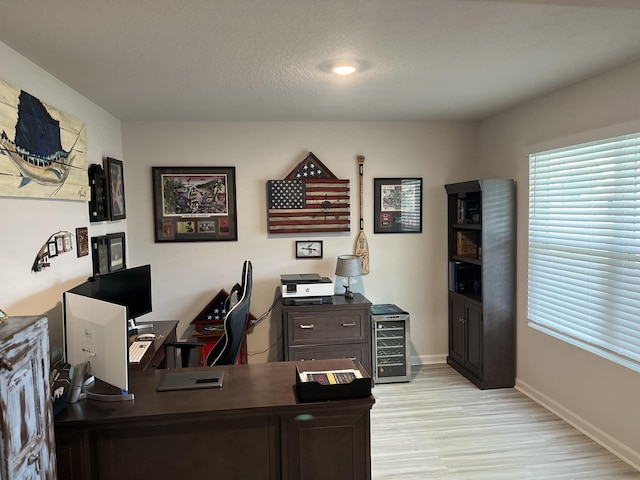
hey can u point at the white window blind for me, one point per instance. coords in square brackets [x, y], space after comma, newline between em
[584, 246]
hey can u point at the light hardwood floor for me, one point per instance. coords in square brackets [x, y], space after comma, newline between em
[440, 426]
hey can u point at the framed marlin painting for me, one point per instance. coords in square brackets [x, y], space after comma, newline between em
[43, 151]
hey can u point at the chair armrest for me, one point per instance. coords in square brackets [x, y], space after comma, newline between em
[185, 349]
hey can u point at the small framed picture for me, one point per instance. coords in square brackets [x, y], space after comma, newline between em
[115, 176]
[116, 249]
[52, 249]
[60, 243]
[82, 241]
[308, 248]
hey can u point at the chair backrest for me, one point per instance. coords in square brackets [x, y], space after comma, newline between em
[227, 350]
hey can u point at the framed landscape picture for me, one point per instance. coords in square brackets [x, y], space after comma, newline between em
[194, 204]
[397, 205]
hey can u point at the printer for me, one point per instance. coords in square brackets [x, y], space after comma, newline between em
[306, 289]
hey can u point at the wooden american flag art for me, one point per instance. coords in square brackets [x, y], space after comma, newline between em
[309, 199]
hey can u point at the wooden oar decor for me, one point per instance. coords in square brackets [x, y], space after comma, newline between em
[362, 246]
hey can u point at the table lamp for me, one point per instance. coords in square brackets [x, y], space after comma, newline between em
[348, 266]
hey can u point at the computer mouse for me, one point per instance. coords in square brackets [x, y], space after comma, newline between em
[146, 336]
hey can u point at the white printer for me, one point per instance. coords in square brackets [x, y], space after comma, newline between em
[309, 286]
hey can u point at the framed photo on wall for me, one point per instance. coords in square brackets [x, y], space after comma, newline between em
[195, 204]
[115, 177]
[397, 205]
[100, 255]
[117, 251]
[308, 248]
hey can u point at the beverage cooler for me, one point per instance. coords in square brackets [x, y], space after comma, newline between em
[391, 350]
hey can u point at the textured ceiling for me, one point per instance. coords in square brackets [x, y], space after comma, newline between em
[258, 60]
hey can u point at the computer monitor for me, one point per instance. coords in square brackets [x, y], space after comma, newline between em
[130, 287]
[97, 337]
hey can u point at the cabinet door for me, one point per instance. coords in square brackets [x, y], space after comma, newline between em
[25, 406]
[335, 446]
[473, 317]
[457, 329]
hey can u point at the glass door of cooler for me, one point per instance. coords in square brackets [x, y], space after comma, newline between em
[391, 344]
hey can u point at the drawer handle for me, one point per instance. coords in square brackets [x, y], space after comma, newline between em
[307, 327]
[352, 324]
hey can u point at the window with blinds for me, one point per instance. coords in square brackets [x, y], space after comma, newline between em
[584, 246]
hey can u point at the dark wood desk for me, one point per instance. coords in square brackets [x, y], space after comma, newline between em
[155, 356]
[252, 428]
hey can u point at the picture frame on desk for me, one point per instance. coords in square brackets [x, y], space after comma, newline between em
[397, 205]
[194, 204]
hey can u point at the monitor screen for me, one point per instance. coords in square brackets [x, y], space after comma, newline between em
[96, 332]
[130, 287]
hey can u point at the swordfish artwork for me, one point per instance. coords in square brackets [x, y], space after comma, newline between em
[43, 151]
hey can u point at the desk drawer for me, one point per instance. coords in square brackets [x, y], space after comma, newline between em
[343, 327]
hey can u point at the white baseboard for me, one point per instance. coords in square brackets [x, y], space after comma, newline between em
[619, 449]
[428, 359]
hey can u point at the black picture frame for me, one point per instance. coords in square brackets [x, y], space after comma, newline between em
[52, 249]
[309, 249]
[115, 177]
[397, 205]
[194, 204]
[82, 241]
[99, 201]
[117, 251]
[100, 255]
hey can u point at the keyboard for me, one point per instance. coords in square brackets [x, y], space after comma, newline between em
[137, 350]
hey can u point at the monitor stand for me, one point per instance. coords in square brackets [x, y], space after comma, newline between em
[81, 384]
[134, 327]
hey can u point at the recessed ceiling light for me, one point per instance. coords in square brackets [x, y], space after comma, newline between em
[343, 68]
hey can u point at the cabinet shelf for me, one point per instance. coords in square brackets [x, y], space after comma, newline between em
[472, 260]
[467, 226]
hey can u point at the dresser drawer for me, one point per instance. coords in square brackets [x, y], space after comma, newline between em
[359, 352]
[344, 327]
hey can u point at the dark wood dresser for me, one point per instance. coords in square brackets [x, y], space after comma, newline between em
[341, 329]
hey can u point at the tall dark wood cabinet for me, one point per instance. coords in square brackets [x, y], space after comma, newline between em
[26, 409]
[481, 253]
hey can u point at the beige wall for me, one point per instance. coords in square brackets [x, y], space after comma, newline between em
[594, 394]
[27, 223]
[408, 270]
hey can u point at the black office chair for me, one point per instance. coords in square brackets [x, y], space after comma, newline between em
[227, 350]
